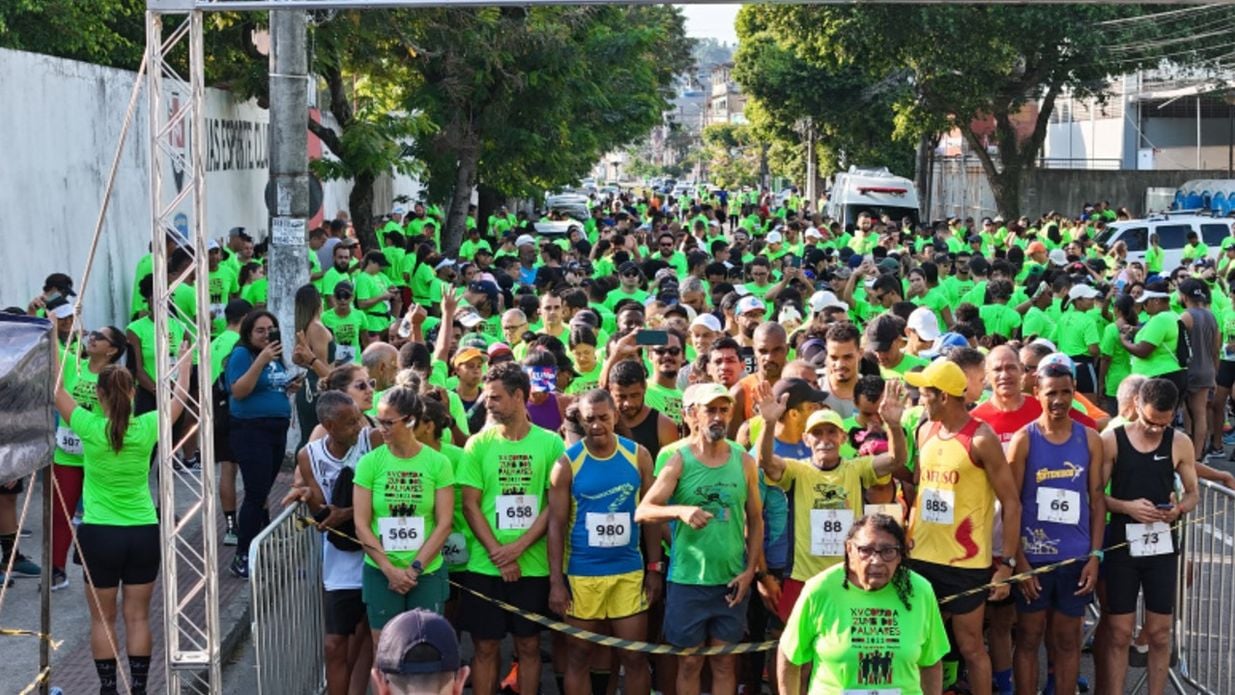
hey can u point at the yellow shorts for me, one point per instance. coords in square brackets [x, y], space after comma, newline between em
[609, 597]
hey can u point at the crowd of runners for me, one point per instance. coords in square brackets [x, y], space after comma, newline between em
[696, 422]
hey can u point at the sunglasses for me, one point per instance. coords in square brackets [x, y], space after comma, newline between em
[100, 335]
[672, 351]
[362, 385]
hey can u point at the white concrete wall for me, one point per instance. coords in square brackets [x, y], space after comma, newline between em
[1099, 139]
[59, 125]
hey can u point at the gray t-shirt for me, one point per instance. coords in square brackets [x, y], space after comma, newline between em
[1202, 372]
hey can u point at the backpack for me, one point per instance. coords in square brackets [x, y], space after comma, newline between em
[1183, 346]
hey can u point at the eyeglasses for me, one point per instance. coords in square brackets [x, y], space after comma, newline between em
[362, 385]
[517, 327]
[100, 335]
[887, 553]
[671, 351]
[388, 424]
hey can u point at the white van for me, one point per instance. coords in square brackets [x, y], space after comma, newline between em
[1172, 232]
[877, 191]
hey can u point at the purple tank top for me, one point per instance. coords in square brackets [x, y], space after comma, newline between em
[546, 415]
[1055, 497]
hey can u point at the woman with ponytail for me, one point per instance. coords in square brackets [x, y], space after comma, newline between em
[869, 624]
[119, 533]
[101, 348]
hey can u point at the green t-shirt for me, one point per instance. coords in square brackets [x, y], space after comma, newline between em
[907, 363]
[716, 553]
[666, 400]
[145, 267]
[220, 348]
[454, 553]
[347, 330]
[116, 489]
[1038, 323]
[80, 383]
[1162, 331]
[513, 479]
[618, 294]
[864, 641]
[405, 488]
[1120, 366]
[223, 286]
[255, 292]
[590, 380]
[370, 286]
[1077, 331]
[143, 328]
[330, 279]
[1000, 319]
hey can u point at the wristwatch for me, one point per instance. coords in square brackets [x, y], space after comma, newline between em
[1010, 562]
[657, 567]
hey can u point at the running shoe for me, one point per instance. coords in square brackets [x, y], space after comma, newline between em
[23, 567]
[239, 567]
[229, 536]
[59, 580]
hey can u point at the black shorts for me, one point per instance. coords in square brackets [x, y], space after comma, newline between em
[1226, 374]
[222, 437]
[485, 620]
[13, 488]
[1086, 374]
[949, 581]
[1126, 577]
[342, 610]
[1178, 377]
[115, 555]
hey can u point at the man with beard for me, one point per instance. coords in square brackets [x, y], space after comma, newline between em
[627, 381]
[961, 471]
[504, 477]
[710, 487]
[597, 579]
[771, 351]
[826, 490]
[841, 356]
[725, 362]
[662, 390]
[339, 272]
[748, 315]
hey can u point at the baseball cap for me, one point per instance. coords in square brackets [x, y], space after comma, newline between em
[235, 231]
[399, 210]
[376, 257]
[775, 238]
[799, 391]
[212, 245]
[823, 299]
[1058, 257]
[61, 282]
[629, 267]
[476, 340]
[708, 321]
[813, 233]
[1083, 291]
[884, 331]
[444, 263]
[417, 641]
[684, 310]
[497, 349]
[1035, 247]
[826, 416]
[703, 394]
[741, 290]
[814, 351]
[467, 354]
[749, 303]
[1149, 294]
[1056, 361]
[941, 374]
[888, 265]
[924, 322]
[789, 313]
[525, 240]
[485, 287]
[469, 318]
[64, 310]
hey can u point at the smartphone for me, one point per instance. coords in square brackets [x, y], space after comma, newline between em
[1166, 506]
[794, 261]
[274, 335]
[651, 337]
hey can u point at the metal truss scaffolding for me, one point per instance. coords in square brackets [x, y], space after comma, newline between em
[186, 498]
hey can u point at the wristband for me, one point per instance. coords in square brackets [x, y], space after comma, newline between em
[1098, 554]
[657, 567]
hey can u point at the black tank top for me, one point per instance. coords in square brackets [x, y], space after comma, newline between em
[647, 432]
[1137, 475]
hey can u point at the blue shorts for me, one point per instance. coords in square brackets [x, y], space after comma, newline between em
[696, 614]
[1058, 592]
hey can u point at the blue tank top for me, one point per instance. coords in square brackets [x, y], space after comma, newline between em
[604, 538]
[1055, 497]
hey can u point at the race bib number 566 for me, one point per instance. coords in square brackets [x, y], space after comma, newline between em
[402, 533]
[517, 512]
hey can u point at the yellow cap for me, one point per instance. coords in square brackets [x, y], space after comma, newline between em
[942, 374]
[703, 394]
[467, 354]
[825, 416]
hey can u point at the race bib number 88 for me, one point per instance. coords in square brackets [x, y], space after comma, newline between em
[516, 512]
[828, 528]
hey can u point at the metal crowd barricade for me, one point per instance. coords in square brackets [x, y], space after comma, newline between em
[1205, 617]
[285, 585]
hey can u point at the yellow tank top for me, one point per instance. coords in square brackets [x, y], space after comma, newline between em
[954, 511]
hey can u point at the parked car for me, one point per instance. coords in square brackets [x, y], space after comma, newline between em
[1172, 232]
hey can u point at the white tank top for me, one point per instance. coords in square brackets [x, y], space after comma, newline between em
[340, 569]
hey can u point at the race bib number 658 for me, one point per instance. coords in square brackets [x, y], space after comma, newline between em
[517, 512]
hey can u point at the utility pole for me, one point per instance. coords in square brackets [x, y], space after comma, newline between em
[812, 192]
[288, 265]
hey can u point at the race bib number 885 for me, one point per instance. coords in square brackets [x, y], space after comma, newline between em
[938, 506]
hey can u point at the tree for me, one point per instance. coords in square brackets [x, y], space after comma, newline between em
[982, 65]
[106, 32]
[731, 155]
[527, 100]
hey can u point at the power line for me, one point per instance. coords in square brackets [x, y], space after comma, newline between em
[1158, 17]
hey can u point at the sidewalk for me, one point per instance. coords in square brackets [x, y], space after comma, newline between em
[72, 667]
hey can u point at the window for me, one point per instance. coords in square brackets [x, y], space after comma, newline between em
[1172, 236]
[1136, 238]
[1212, 234]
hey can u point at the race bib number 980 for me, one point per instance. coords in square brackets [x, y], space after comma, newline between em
[828, 528]
[402, 533]
[608, 530]
[516, 512]
[938, 506]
